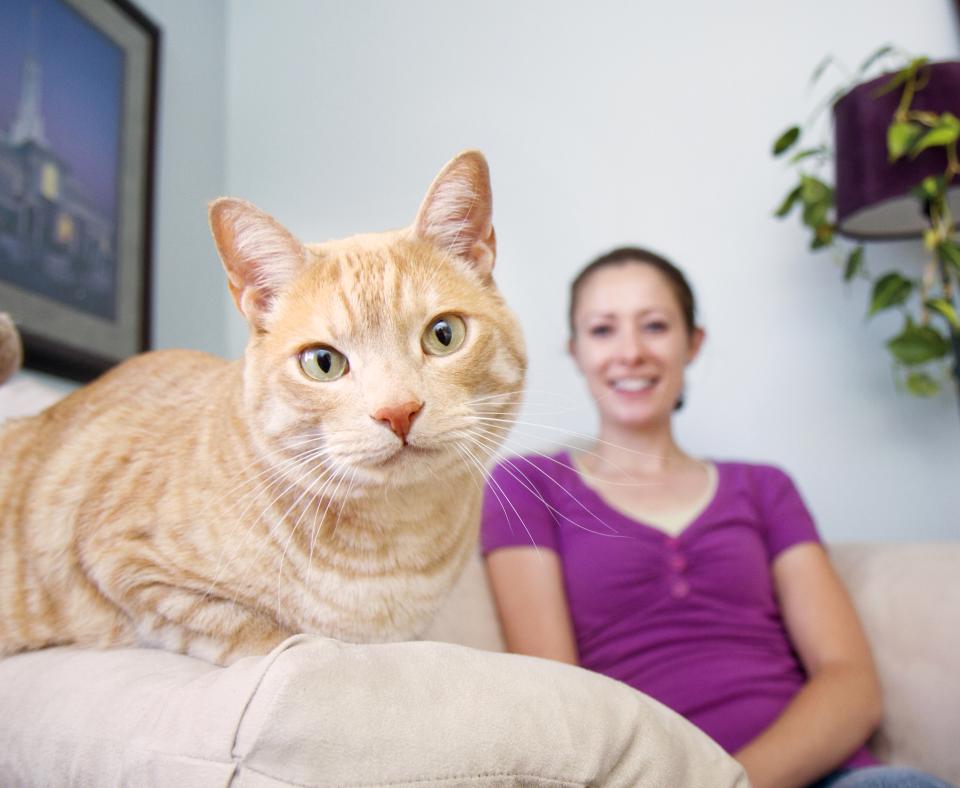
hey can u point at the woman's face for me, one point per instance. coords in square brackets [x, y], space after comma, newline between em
[631, 344]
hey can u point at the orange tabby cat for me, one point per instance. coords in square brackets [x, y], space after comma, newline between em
[325, 483]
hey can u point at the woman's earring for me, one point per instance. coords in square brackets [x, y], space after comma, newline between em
[680, 399]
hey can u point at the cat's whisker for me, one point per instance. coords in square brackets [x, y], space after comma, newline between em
[346, 497]
[308, 474]
[258, 459]
[274, 474]
[296, 526]
[592, 438]
[278, 476]
[319, 525]
[516, 393]
[470, 466]
[501, 497]
[318, 521]
[510, 442]
[261, 457]
[530, 396]
[563, 489]
[516, 473]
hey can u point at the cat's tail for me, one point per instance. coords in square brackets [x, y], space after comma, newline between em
[11, 348]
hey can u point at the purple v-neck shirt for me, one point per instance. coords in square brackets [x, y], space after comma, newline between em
[690, 620]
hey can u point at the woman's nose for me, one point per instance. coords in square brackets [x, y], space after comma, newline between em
[631, 346]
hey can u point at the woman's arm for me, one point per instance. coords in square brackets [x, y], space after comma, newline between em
[528, 590]
[840, 705]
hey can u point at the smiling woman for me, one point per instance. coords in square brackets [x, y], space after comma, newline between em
[702, 583]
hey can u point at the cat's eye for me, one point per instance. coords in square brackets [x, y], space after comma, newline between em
[444, 335]
[323, 363]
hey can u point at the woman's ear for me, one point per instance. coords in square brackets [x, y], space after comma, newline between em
[696, 342]
[572, 350]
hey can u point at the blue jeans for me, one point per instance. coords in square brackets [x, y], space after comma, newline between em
[880, 777]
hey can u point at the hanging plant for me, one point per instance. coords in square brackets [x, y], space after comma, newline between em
[931, 330]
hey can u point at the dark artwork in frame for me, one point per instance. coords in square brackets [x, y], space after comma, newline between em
[78, 93]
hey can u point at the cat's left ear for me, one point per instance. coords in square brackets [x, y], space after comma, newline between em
[260, 255]
[457, 213]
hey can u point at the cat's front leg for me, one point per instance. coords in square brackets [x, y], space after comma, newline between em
[164, 611]
[210, 628]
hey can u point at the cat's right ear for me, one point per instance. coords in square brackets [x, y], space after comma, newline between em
[457, 213]
[260, 255]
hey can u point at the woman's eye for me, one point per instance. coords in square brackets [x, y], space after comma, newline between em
[444, 335]
[323, 363]
[600, 331]
[656, 326]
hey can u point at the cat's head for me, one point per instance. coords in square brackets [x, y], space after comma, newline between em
[388, 357]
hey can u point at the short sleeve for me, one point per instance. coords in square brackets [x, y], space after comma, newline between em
[516, 512]
[786, 517]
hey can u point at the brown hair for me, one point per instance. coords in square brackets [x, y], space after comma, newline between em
[635, 254]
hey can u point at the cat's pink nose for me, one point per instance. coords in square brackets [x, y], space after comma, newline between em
[399, 417]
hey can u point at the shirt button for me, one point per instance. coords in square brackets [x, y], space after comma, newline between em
[680, 588]
[678, 562]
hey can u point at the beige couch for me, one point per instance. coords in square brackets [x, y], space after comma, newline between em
[908, 597]
[320, 713]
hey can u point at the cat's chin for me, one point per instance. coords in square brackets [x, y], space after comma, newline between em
[408, 465]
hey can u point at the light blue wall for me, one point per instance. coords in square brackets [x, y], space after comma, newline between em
[189, 289]
[604, 123]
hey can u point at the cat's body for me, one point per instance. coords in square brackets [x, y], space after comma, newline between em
[217, 507]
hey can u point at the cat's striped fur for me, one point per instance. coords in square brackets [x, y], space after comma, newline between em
[215, 508]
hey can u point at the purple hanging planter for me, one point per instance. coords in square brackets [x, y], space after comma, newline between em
[873, 196]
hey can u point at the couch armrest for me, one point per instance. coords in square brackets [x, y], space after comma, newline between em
[908, 597]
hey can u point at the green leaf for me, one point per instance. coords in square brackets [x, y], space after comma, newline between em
[786, 140]
[822, 66]
[918, 344]
[817, 201]
[921, 384]
[896, 81]
[813, 190]
[950, 254]
[900, 138]
[889, 290]
[939, 136]
[930, 187]
[926, 118]
[886, 49]
[815, 214]
[806, 154]
[945, 309]
[902, 76]
[854, 264]
[788, 202]
[822, 236]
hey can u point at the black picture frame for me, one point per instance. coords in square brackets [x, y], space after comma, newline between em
[77, 173]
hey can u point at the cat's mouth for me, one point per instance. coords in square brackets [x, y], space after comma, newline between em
[405, 453]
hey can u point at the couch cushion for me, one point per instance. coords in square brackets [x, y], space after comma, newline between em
[316, 712]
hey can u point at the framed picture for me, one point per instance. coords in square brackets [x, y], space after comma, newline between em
[78, 91]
